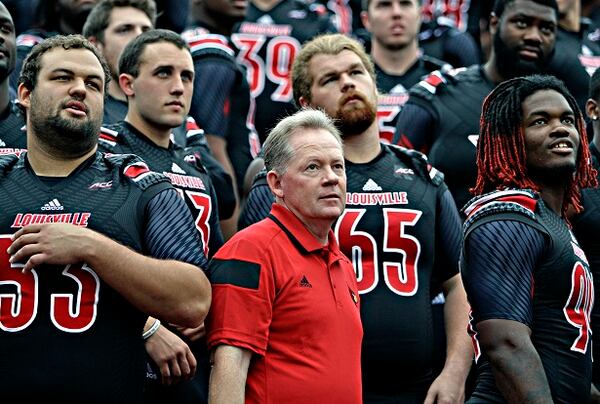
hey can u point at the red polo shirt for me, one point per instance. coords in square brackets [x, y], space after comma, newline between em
[294, 303]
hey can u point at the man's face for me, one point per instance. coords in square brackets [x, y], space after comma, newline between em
[523, 38]
[343, 88]
[161, 94]
[314, 185]
[393, 24]
[551, 137]
[235, 9]
[125, 24]
[7, 43]
[65, 108]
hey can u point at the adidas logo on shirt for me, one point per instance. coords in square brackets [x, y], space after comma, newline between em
[54, 204]
[304, 283]
[371, 186]
[176, 169]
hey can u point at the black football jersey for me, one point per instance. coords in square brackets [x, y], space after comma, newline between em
[393, 92]
[574, 61]
[114, 110]
[267, 43]
[453, 102]
[585, 227]
[64, 333]
[560, 296]
[390, 230]
[237, 107]
[12, 128]
[192, 182]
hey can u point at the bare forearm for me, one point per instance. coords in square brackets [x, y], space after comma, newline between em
[520, 376]
[228, 376]
[459, 351]
[174, 291]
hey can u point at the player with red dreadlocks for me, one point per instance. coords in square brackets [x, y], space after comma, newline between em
[527, 280]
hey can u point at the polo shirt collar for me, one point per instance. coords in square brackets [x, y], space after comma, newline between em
[297, 231]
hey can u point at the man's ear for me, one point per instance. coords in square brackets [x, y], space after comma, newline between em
[494, 21]
[592, 110]
[303, 102]
[364, 18]
[94, 41]
[274, 181]
[24, 95]
[126, 84]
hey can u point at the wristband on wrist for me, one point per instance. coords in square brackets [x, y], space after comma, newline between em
[152, 330]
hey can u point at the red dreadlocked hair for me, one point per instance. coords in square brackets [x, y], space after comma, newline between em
[501, 157]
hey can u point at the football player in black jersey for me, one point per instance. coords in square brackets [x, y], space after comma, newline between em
[12, 122]
[399, 64]
[75, 290]
[157, 76]
[267, 41]
[526, 277]
[111, 25]
[222, 104]
[587, 223]
[400, 228]
[441, 116]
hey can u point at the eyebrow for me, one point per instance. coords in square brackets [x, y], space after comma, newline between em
[71, 72]
[351, 67]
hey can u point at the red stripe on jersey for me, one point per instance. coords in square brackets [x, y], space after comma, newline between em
[107, 137]
[434, 80]
[525, 201]
[135, 170]
[211, 40]
[191, 124]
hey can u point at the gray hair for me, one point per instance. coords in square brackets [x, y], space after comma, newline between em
[277, 150]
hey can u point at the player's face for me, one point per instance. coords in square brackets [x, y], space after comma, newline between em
[230, 8]
[393, 24]
[66, 106]
[162, 91]
[124, 25]
[7, 43]
[314, 184]
[523, 38]
[551, 137]
[343, 88]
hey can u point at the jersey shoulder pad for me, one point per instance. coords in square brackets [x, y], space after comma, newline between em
[134, 168]
[418, 162]
[260, 179]
[515, 203]
[30, 38]
[203, 43]
[194, 135]
[8, 158]
[432, 64]
[109, 136]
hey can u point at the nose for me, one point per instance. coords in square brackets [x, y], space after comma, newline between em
[347, 82]
[177, 86]
[533, 35]
[330, 177]
[78, 89]
[396, 9]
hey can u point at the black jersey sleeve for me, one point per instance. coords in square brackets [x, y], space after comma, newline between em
[414, 127]
[170, 232]
[212, 88]
[449, 238]
[258, 204]
[500, 258]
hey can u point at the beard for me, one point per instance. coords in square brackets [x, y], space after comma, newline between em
[510, 64]
[66, 137]
[354, 120]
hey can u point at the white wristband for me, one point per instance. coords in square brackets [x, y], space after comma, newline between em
[152, 330]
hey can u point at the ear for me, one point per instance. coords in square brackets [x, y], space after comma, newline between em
[364, 18]
[591, 109]
[303, 102]
[126, 84]
[24, 96]
[494, 21]
[94, 41]
[274, 181]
